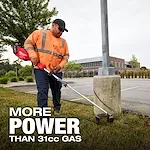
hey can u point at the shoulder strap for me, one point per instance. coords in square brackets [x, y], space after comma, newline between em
[43, 38]
[63, 42]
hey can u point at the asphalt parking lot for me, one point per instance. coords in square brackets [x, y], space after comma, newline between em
[135, 93]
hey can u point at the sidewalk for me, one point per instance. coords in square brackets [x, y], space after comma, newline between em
[17, 84]
[24, 83]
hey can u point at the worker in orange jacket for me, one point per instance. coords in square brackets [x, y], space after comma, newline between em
[48, 48]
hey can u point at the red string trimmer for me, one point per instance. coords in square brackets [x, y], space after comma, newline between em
[20, 52]
[23, 54]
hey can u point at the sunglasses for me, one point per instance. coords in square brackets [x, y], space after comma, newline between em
[60, 29]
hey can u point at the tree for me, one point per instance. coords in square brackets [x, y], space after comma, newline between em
[17, 63]
[25, 71]
[143, 68]
[112, 65]
[2, 72]
[2, 49]
[20, 17]
[6, 66]
[134, 62]
[10, 74]
[72, 66]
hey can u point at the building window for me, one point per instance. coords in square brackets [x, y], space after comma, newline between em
[119, 66]
[112, 62]
[116, 64]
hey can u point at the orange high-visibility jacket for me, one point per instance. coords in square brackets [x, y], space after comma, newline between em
[50, 50]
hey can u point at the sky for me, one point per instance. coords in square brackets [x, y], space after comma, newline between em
[128, 25]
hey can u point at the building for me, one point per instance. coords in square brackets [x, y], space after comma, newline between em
[92, 64]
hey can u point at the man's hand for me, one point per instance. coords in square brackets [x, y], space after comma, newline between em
[34, 61]
[41, 66]
[57, 69]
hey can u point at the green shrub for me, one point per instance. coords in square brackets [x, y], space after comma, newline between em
[69, 75]
[125, 74]
[128, 74]
[122, 73]
[142, 74]
[2, 72]
[25, 71]
[13, 79]
[20, 78]
[146, 74]
[85, 74]
[90, 74]
[10, 74]
[3, 80]
[65, 75]
[132, 74]
[29, 79]
[79, 75]
[135, 74]
[139, 74]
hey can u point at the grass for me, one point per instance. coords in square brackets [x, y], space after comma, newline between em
[126, 132]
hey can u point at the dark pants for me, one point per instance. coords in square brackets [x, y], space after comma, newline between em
[43, 82]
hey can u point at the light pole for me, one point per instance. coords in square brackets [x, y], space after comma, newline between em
[16, 71]
[106, 69]
[106, 83]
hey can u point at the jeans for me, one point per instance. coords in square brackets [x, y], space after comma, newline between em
[43, 82]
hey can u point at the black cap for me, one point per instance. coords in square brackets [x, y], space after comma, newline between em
[61, 24]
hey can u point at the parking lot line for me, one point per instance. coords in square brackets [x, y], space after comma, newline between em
[131, 88]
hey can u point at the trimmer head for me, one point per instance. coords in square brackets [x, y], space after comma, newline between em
[110, 118]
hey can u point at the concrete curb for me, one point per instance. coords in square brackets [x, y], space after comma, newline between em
[22, 84]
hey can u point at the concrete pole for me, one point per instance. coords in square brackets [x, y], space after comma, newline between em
[106, 69]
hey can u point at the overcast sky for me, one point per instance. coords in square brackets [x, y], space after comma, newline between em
[129, 28]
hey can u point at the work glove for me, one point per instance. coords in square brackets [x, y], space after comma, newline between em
[41, 66]
[57, 69]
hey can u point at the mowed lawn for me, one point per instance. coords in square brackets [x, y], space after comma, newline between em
[127, 132]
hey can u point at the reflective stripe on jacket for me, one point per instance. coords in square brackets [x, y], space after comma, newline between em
[50, 50]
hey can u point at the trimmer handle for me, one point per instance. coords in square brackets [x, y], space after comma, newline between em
[51, 73]
[43, 67]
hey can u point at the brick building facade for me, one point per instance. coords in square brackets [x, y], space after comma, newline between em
[92, 64]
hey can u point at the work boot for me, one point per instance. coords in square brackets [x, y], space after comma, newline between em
[56, 111]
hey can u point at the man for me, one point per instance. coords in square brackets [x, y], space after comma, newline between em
[48, 48]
